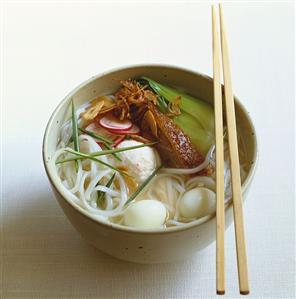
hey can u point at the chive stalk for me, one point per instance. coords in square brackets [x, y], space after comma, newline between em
[105, 152]
[106, 142]
[86, 156]
[144, 184]
[101, 194]
[96, 136]
[75, 132]
[108, 147]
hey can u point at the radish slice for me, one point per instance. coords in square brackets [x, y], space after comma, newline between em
[134, 130]
[97, 129]
[110, 122]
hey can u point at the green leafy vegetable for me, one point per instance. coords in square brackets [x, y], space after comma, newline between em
[201, 138]
[196, 119]
[101, 194]
[144, 184]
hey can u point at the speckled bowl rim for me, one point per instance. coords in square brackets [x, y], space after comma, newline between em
[56, 185]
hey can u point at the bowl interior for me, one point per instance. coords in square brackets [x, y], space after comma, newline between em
[197, 85]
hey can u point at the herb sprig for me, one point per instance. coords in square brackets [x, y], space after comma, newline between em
[96, 136]
[86, 156]
[144, 184]
[106, 142]
[103, 153]
[75, 131]
[101, 194]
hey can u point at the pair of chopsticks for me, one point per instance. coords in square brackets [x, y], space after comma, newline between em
[234, 162]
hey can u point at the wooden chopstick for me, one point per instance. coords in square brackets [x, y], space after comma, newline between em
[234, 165]
[220, 221]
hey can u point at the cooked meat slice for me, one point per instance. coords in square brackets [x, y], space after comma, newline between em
[174, 146]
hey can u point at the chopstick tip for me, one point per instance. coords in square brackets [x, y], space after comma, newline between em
[220, 292]
[247, 292]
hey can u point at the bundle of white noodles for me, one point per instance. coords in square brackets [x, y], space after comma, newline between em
[82, 184]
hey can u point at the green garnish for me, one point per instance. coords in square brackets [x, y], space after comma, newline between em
[145, 183]
[75, 131]
[161, 102]
[83, 156]
[101, 194]
[94, 135]
[106, 142]
[107, 146]
[106, 152]
[118, 150]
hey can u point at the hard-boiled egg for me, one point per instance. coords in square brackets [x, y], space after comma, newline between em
[148, 213]
[197, 202]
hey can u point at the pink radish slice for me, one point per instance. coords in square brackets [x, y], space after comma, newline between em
[110, 122]
[134, 130]
[97, 129]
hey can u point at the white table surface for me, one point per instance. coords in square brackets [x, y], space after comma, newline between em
[48, 49]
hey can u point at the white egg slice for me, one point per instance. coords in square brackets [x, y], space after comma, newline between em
[147, 214]
[197, 202]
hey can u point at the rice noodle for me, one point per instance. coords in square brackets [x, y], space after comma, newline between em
[94, 181]
[208, 182]
[200, 167]
[106, 190]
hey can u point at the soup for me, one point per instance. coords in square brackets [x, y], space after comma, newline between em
[142, 157]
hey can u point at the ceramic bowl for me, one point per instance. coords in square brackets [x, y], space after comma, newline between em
[142, 246]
